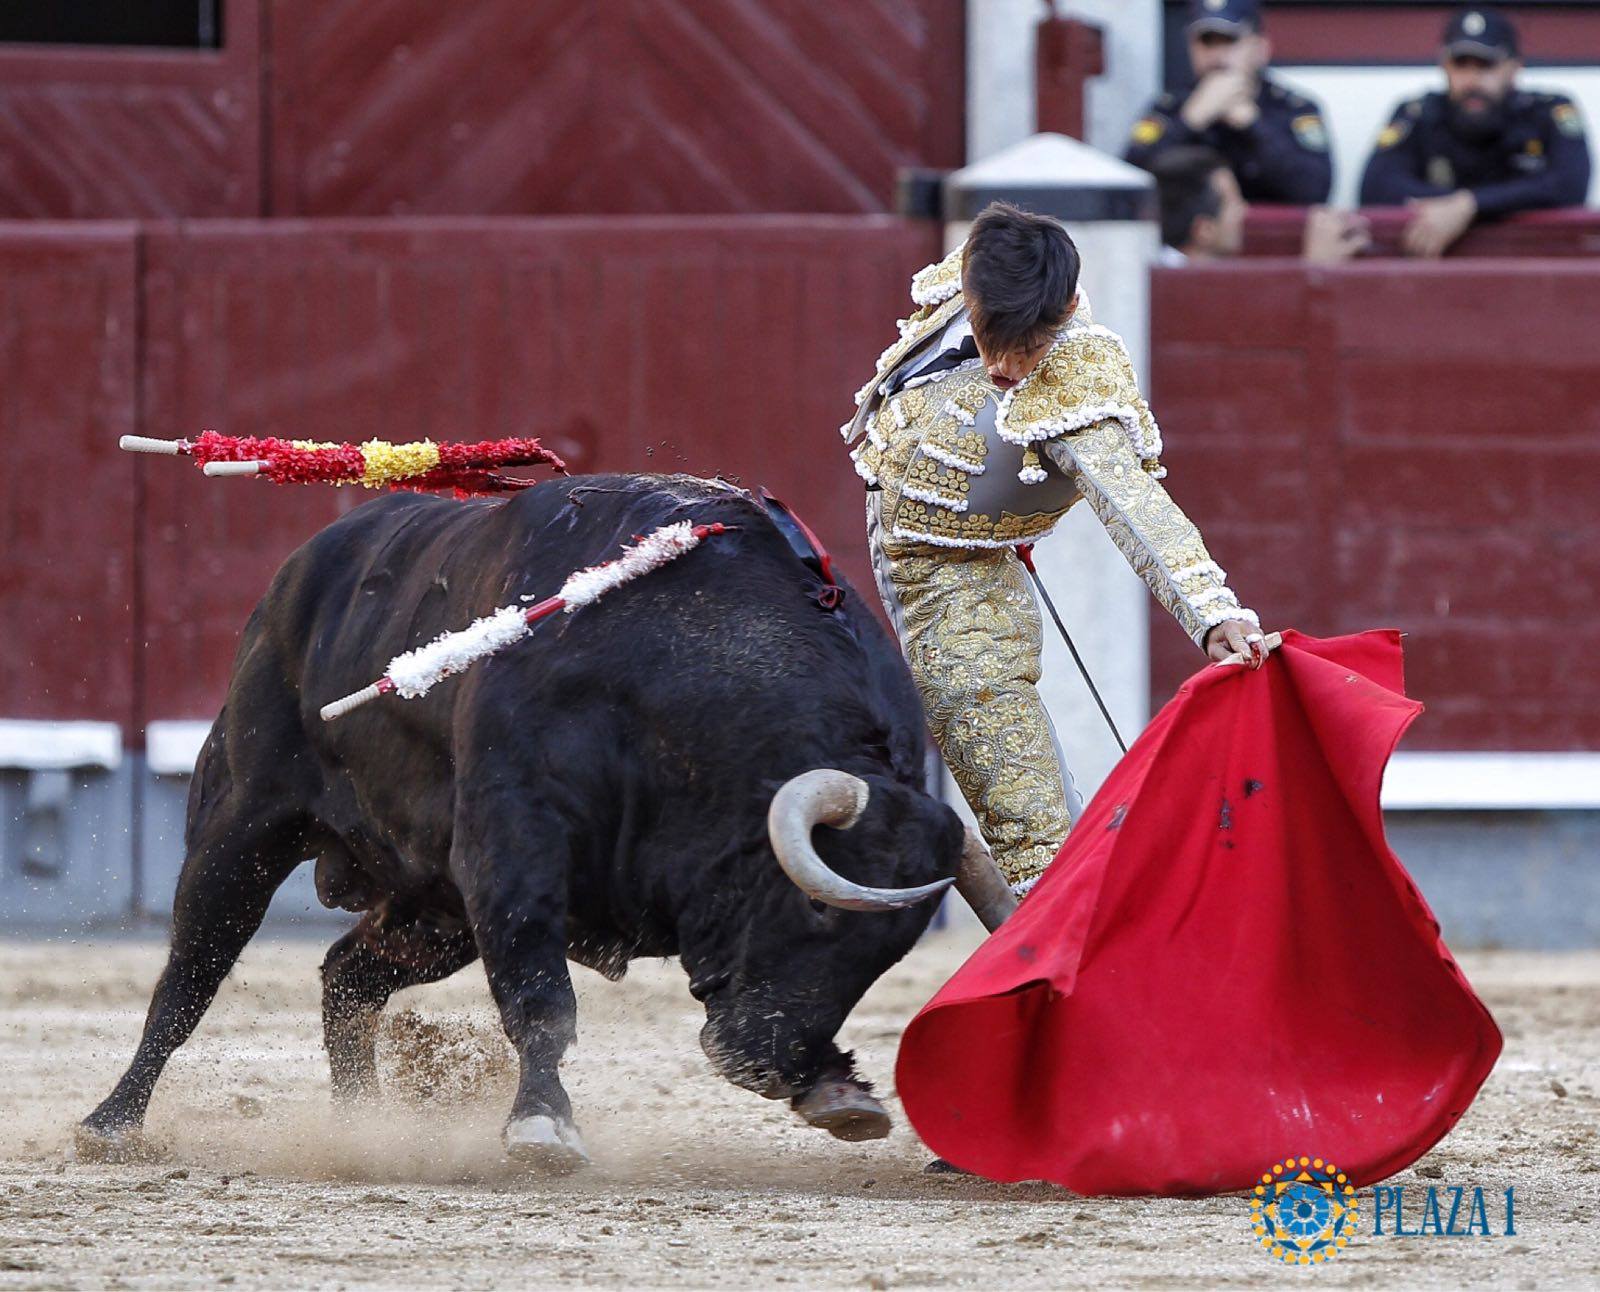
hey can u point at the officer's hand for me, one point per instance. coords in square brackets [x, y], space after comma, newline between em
[1217, 94]
[1436, 222]
[1237, 637]
[1243, 114]
[1333, 236]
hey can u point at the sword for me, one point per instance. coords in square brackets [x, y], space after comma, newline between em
[1025, 555]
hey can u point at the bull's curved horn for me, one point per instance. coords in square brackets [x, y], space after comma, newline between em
[828, 796]
[980, 882]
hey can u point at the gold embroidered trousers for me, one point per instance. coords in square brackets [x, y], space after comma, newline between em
[973, 637]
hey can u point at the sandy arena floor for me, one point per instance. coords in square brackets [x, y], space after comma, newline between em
[698, 1184]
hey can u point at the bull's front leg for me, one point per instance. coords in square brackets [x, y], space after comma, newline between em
[511, 863]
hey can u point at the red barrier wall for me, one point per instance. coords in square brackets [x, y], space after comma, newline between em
[1401, 445]
[699, 345]
[68, 317]
[1572, 231]
[1383, 443]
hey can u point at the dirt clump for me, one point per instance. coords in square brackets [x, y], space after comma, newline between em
[443, 1060]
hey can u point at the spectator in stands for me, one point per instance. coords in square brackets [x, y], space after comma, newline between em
[1202, 213]
[1481, 149]
[1202, 210]
[1273, 140]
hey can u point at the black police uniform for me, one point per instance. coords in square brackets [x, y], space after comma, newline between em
[1282, 157]
[1540, 158]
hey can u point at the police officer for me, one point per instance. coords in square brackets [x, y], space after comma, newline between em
[1274, 141]
[1483, 148]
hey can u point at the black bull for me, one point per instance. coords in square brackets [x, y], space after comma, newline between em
[598, 791]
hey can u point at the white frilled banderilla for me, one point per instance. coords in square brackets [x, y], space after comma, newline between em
[417, 671]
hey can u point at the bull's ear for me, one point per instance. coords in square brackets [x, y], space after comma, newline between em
[928, 833]
[933, 844]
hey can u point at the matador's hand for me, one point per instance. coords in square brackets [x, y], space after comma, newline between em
[1237, 637]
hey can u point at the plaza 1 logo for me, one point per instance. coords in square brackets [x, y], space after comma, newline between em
[1304, 1210]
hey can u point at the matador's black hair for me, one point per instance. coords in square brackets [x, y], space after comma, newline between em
[1019, 274]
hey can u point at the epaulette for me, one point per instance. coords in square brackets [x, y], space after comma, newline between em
[1086, 378]
[933, 288]
[1168, 102]
[934, 284]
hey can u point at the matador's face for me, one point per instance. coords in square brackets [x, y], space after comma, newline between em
[1007, 368]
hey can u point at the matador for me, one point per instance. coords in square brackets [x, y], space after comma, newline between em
[1000, 405]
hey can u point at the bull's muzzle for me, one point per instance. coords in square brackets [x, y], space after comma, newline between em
[828, 796]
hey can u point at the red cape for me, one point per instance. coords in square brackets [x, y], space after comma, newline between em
[1224, 966]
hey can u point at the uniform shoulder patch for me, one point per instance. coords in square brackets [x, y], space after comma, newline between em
[1148, 130]
[1395, 132]
[1412, 107]
[1310, 131]
[1569, 121]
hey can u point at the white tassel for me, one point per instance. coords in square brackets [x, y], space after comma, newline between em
[416, 672]
[653, 550]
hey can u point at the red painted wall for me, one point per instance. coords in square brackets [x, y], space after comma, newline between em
[1394, 444]
[409, 107]
[1409, 33]
[68, 501]
[727, 345]
[627, 106]
[123, 133]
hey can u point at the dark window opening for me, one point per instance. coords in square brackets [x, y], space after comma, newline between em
[172, 24]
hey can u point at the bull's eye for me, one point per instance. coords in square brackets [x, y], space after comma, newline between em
[821, 908]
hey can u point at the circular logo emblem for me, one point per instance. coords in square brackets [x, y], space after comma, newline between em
[1473, 24]
[1304, 1210]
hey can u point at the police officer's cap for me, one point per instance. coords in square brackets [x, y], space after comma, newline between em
[1233, 18]
[1480, 33]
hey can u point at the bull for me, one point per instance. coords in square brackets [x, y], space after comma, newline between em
[720, 763]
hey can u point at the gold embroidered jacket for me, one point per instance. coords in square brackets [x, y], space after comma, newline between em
[960, 465]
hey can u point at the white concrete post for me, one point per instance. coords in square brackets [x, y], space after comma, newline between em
[1001, 94]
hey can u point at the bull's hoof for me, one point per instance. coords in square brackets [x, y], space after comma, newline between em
[844, 1110]
[545, 1144]
[113, 1145]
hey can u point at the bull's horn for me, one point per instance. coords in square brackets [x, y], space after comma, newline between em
[828, 796]
[980, 882]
